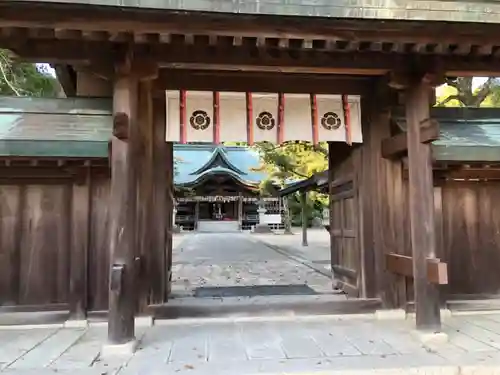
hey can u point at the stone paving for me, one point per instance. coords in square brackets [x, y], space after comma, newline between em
[317, 252]
[312, 345]
[224, 260]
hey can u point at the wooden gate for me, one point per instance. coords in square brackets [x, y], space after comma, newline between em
[344, 235]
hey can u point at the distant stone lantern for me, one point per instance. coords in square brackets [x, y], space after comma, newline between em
[262, 226]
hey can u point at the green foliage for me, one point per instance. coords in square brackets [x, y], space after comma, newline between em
[291, 162]
[24, 79]
[460, 92]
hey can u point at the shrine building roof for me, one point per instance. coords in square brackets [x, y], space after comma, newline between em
[195, 162]
[81, 128]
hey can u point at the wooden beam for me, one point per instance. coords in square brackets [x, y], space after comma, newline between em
[242, 58]
[397, 146]
[160, 196]
[123, 195]
[437, 271]
[203, 80]
[421, 208]
[67, 78]
[115, 20]
[303, 201]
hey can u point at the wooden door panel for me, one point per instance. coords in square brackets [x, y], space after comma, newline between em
[344, 234]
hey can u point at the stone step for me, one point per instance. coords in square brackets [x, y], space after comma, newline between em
[265, 306]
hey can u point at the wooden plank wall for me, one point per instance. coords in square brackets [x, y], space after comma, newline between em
[381, 207]
[49, 232]
[471, 236]
[34, 256]
[98, 258]
[468, 237]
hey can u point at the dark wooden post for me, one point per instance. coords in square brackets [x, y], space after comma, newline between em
[422, 226]
[170, 207]
[144, 262]
[80, 221]
[158, 258]
[303, 201]
[122, 296]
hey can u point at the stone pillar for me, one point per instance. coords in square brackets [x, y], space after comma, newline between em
[240, 212]
[262, 227]
[196, 214]
[175, 228]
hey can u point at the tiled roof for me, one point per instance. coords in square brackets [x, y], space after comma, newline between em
[81, 128]
[466, 134]
[196, 161]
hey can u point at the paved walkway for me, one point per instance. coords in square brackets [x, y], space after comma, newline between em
[295, 346]
[203, 260]
[316, 254]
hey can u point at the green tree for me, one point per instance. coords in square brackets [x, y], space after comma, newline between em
[460, 92]
[24, 79]
[289, 162]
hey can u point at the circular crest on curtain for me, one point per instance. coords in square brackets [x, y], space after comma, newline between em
[199, 120]
[331, 121]
[265, 121]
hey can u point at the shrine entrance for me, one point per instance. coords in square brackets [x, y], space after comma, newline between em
[218, 217]
[215, 77]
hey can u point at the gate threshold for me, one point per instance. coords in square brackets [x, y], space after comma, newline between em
[263, 306]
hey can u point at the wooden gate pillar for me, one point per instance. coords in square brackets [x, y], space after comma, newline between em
[146, 271]
[127, 150]
[170, 165]
[421, 206]
[382, 201]
[159, 215]
[124, 154]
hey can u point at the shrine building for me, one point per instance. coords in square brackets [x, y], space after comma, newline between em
[218, 189]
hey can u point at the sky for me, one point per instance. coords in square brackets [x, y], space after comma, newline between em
[47, 68]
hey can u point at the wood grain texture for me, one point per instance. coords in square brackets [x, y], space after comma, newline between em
[158, 253]
[80, 233]
[99, 256]
[170, 207]
[145, 225]
[471, 239]
[123, 216]
[11, 208]
[421, 209]
[382, 204]
[344, 222]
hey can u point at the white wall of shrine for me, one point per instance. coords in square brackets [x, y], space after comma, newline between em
[201, 116]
